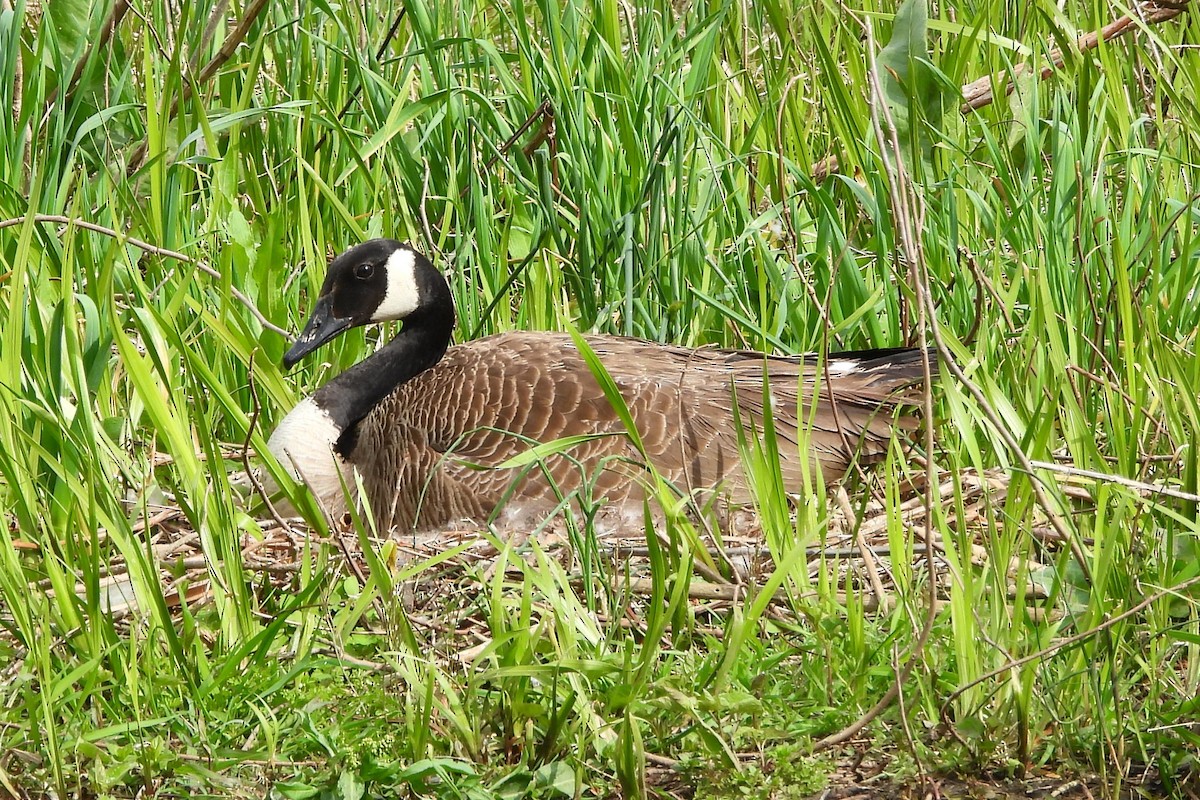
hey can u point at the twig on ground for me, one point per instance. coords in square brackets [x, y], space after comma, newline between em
[909, 741]
[870, 566]
[730, 593]
[1120, 480]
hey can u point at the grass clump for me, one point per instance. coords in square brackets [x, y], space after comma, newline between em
[698, 173]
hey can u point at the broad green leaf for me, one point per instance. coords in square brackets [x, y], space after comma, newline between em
[911, 89]
[70, 19]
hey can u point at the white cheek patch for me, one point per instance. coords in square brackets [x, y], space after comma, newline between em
[401, 297]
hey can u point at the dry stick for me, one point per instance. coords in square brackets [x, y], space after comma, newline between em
[58, 219]
[978, 94]
[985, 283]
[969, 338]
[545, 133]
[228, 47]
[908, 209]
[1120, 480]
[909, 740]
[870, 566]
[763, 552]
[545, 113]
[732, 593]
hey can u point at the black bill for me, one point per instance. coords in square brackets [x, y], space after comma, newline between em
[322, 326]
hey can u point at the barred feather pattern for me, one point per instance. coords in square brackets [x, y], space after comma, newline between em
[430, 453]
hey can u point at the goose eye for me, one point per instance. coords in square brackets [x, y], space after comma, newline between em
[364, 271]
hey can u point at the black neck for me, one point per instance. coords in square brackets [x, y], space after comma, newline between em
[350, 396]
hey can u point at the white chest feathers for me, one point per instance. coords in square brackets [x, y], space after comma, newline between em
[303, 443]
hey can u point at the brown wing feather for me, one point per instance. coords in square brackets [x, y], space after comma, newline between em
[487, 400]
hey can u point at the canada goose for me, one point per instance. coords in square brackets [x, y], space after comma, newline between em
[418, 420]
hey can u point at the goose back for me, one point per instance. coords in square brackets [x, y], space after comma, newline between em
[429, 452]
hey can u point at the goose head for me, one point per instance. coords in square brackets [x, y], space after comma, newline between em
[380, 280]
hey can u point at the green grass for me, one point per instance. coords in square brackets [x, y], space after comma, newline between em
[671, 198]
